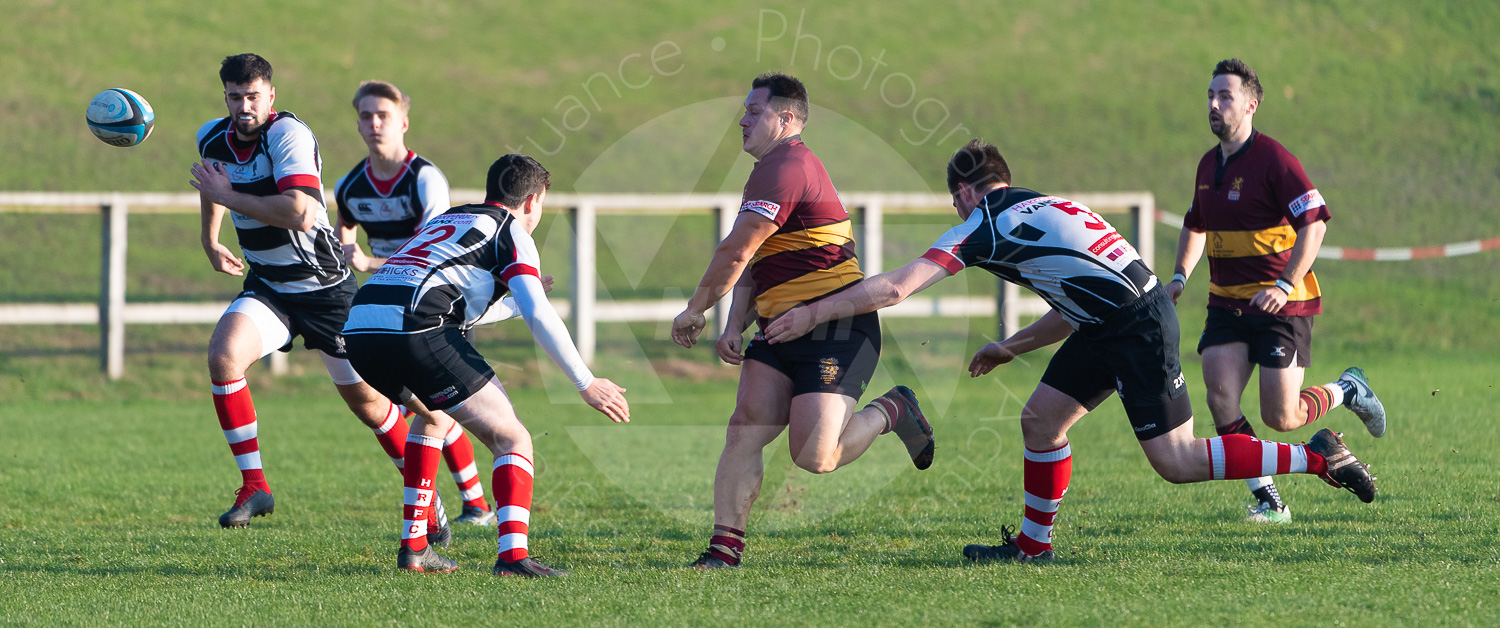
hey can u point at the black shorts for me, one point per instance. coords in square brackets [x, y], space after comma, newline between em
[838, 356]
[317, 316]
[1133, 353]
[438, 366]
[1276, 342]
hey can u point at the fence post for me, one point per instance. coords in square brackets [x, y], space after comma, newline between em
[112, 288]
[872, 237]
[278, 363]
[725, 212]
[584, 280]
[1006, 314]
[1144, 215]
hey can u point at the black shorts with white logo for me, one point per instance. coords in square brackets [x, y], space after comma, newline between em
[317, 316]
[438, 366]
[1276, 342]
[838, 356]
[1133, 353]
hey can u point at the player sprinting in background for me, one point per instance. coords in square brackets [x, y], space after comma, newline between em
[406, 336]
[1119, 334]
[392, 193]
[792, 243]
[1262, 222]
[263, 167]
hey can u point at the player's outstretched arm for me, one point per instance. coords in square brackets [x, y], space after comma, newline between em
[883, 290]
[550, 332]
[292, 209]
[729, 261]
[1189, 248]
[219, 255]
[1309, 241]
[1049, 329]
[506, 308]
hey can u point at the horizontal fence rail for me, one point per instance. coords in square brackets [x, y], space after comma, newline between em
[112, 313]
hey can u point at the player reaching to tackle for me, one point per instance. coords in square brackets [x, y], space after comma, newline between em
[263, 167]
[392, 193]
[792, 243]
[406, 336]
[1265, 222]
[1118, 330]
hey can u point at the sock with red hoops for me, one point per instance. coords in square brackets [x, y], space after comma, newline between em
[727, 544]
[422, 455]
[512, 486]
[392, 435]
[1046, 475]
[458, 452]
[1321, 399]
[237, 418]
[1263, 488]
[1239, 457]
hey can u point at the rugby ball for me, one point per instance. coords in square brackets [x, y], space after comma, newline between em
[120, 117]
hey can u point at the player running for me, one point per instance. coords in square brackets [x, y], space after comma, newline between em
[796, 239]
[406, 335]
[392, 193]
[263, 167]
[1266, 222]
[1118, 330]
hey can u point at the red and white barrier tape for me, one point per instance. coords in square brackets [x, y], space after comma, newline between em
[1400, 254]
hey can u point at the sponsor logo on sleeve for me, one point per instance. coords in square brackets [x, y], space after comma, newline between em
[764, 208]
[1311, 200]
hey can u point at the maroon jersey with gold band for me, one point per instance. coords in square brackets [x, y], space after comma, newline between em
[1251, 206]
[812, 254]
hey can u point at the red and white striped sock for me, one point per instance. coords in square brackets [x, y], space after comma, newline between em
[422, 455]
[1239, 457]
[512, 486]
[392, 435]
[237, 418]
[1046, 476]
[458, 452]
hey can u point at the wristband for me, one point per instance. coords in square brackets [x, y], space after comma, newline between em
[1180, 277]
[1285, 286]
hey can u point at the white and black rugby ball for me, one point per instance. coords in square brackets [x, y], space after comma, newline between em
[120, 117]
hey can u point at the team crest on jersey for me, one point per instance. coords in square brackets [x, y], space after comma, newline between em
[828, 370]
[1234, 189]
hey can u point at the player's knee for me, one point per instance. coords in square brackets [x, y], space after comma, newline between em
[816, 463]
[1281, 420]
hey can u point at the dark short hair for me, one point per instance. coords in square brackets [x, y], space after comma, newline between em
[514, 177]
[244, 69]
[1248, 79]
[977, 164]
[384, 90]
[787, 93]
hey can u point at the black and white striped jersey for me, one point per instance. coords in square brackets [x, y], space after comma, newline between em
[391, 210]
[285, 156]
[1058, 249]
[448, 274]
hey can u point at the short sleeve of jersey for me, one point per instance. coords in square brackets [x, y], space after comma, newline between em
[961, 246]
[342, 199]
[203, 131]
[1290, 187]
[432, 188]
[523, 256]
[773, 191]
[294, 156]
[1193, 220]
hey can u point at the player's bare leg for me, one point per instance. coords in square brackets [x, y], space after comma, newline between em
[1226, 371]
[491, 418]
[1181, 458]
[236, 344]
[826, 432]
[1280, 405]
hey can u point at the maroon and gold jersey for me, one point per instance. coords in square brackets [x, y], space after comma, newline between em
[1251, 206]
[812, 254]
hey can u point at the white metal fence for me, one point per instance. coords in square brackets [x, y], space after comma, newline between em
[112, 313]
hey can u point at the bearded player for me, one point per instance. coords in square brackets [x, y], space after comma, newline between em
[262, 167]
[792, 243]
[1118, 332]
[1266, 223]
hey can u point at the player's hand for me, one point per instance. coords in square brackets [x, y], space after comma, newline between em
[988, 357]
[1174, 290]
[606, 397]
[211, 181]
[728, 347]
[795, 323]
[547, 282]
[356, 258]
[224, 261]
[687, 326]
[1271, 300]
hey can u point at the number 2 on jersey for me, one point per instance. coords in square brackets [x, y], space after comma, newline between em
[442, 232]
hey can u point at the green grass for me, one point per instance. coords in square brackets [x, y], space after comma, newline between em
[108, 513]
